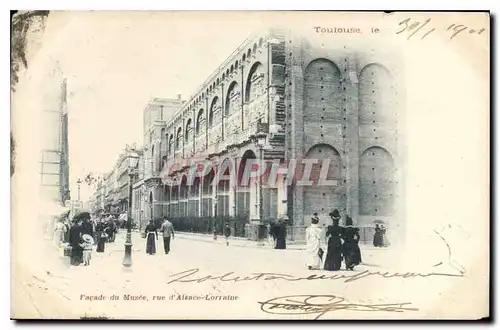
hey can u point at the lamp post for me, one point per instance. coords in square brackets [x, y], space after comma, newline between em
[79, 182]
[133, 159]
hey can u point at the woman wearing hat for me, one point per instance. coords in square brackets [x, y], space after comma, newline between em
[75, 239]
[151, 235]
[350, 248]
[334, 252]
[313, 244]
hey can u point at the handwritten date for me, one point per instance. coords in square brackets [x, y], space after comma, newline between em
[425, 28]
[322, 304]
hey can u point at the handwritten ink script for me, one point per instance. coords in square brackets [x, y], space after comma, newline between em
[322, 304]
[415, 28]
[189, 276]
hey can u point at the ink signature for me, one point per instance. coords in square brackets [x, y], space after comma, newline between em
[187, 276]
[322, 304]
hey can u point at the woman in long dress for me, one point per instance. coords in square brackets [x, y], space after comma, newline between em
[102, 237]
[377, 236]
[350, 248]
[280, 235]
[75, 239]
[333, 259]
[313, 244]
[151, 236]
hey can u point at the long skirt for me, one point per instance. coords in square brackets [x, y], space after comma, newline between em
[333, 258]
[151, 243]
[76, 255]
[378, 239]
[352, 254]
[280, 243]
[101, 244]
[313, 259]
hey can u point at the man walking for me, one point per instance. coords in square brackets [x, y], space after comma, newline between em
[167, 230]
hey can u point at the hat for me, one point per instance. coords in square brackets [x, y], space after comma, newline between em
[87, 238]
[80, 216]
[335, 214]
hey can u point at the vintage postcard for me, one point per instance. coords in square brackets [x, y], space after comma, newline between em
[250, 165]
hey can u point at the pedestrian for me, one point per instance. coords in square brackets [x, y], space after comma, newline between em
[167, 230]
[101, 241]
[111, 230]
[151, 236]
[87, 245]
[270, 237]
[333, 258]
[350, 247]
[383, 240]
[215, 233]
[313, 244]
[75, 239]
[87, 227]
[59, 232]
[279, 233]
[377, 236]
[227, 233]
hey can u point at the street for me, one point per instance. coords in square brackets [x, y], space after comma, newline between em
[197, 272]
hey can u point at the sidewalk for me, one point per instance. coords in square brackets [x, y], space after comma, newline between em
[243, 242]
[233, 241]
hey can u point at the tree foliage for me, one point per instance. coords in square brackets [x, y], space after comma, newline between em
[20, 26]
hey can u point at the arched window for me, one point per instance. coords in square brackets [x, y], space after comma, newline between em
[249, 52]
[171, 144]
[178, 138]
[199, 122]
[254, 48]
[213, 107]
[233, 102]
[236, 64]
[243, 58]
[232, 69]
[260, 42]
[188, 130]
[255, 82]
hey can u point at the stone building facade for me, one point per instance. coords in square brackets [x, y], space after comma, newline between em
[336, 105]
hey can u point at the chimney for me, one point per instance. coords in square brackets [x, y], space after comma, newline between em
[179, 97]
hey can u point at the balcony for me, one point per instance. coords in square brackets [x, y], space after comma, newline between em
[151, 170]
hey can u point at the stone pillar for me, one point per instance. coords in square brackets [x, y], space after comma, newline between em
[350, 82]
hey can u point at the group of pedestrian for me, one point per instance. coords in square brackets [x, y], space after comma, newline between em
[342, 244]
[84, 233]
[379, 238]
[105, 232]
[151, 235]
[81, 239]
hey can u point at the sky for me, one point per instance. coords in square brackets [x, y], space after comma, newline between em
[115, 62]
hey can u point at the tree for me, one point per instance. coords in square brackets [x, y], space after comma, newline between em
[21, 24]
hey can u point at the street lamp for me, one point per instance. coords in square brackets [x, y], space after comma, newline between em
[79, 182]
[133, 160]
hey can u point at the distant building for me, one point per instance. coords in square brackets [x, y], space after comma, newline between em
[54, 158]
[339, 106]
